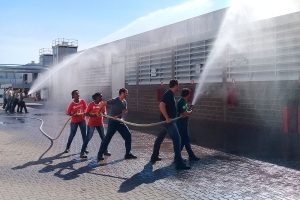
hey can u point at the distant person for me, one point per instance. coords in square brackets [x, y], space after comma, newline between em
[22, 104]
[76, 110]
[95, 120]
[10, 94]
[168, 111]
[15, 100]
[5, 95]
[118, 108]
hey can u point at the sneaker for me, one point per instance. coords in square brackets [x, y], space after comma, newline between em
[154, 160]
[100, 158]
[130, 156]
[107, 154]
[194, 158]
[67, 151]
[86, 151]
[182, 167]
[83, 156]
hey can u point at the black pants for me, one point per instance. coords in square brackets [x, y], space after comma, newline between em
[21, 105]
[4, 103]
[14, 104]
[114, 126]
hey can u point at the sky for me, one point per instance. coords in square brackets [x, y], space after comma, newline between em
[27, 26]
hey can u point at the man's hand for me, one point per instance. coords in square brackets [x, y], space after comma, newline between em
[168, 120]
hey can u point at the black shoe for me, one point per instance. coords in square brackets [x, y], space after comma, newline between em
[194, 158]
[83, 156]
[100, 159]
[154, 160]
[86, 151]
[67, 151]
[107, 154]
[130, 156]
[182, 167]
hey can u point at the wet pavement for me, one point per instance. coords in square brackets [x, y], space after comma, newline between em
[30, 169]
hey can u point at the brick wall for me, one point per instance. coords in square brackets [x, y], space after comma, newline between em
[254, 125]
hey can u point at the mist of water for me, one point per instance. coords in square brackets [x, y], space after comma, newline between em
[90, 70]
[239, 24]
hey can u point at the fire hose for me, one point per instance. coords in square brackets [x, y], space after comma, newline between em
[104, 115]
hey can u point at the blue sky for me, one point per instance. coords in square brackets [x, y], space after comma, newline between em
[27, 26]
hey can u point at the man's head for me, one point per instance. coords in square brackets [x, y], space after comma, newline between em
[75, 94]
[174, 85]
[185, 93]
[123, 93]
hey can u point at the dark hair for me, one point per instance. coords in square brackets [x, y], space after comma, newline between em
[73, 93]
[173, 83]
[122, 90]
[185, 92]
[97, 94]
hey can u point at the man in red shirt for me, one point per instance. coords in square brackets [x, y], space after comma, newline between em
[95, 120]
[76, 110]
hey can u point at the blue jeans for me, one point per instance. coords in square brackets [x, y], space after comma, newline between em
[90, 133]
[73, 130]
[114, 126]
[185, 138]
[173, 132]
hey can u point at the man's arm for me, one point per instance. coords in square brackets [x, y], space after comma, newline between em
[163, 110]
[187, 113]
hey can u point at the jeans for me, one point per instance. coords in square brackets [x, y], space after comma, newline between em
[73, 130]
[9, 105]
[90, 133]
[185, 139]
[4, 103]
[114, 126]
[172, 130]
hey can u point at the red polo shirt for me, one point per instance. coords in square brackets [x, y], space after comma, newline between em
[94, 109]
[78, 108]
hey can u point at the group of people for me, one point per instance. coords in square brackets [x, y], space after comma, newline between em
[177, 129]
[14, 98]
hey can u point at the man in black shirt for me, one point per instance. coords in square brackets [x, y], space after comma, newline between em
[182, 125]
[118, 108]
[168, 111]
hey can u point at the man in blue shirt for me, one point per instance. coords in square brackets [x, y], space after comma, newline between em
[118, 108]
[168, 111]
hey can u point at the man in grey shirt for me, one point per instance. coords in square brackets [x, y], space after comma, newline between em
[118, 108]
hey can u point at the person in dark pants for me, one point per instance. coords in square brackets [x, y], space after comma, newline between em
[76, 110]
[118, 108]
[182, 123]
[95, 121]
[16, 97]
[10, 94]
[5, 95]
[168, 110]
[22, 102]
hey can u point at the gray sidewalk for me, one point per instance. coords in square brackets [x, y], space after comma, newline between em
[25, 173]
